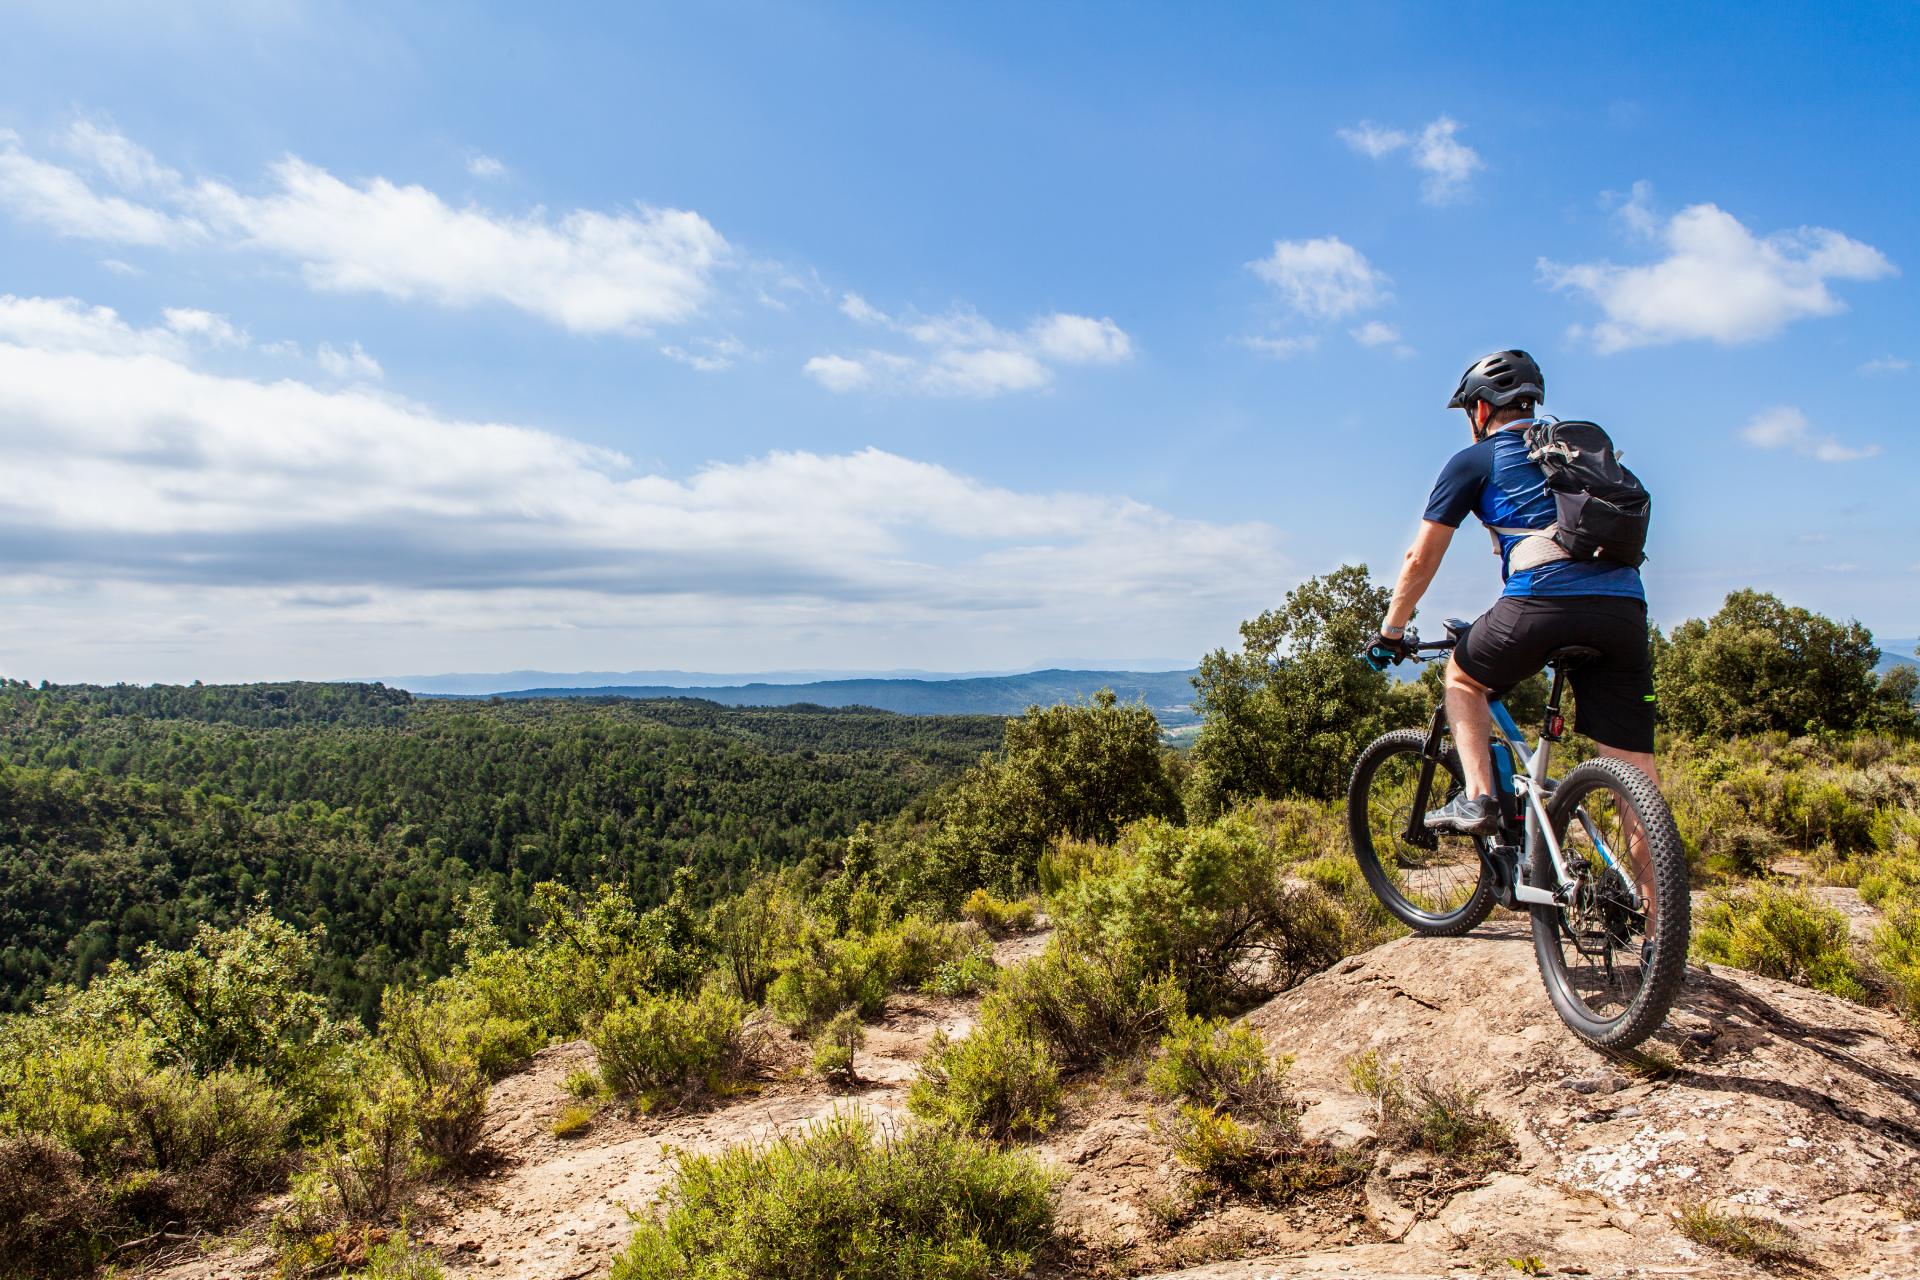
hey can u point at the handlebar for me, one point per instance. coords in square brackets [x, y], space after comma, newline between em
[1421, 651]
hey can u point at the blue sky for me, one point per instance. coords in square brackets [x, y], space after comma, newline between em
[357, 339]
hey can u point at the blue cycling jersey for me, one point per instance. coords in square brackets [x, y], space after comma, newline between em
[1496, 481]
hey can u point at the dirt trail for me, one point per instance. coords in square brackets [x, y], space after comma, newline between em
[1784, 1101]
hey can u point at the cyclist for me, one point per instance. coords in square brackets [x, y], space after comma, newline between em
[1550, 600]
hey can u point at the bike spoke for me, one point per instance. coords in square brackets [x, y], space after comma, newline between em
[1435, 880]
[1602, 936]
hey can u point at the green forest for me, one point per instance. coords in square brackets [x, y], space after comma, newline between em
[129, 816]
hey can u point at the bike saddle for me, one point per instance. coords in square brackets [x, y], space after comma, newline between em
[1456, 629]
[1571, 656]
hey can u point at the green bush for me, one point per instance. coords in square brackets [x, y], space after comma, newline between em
[1759, 665]
[236, 1000]
[998, 917]
[438, 1056]
[825, 974]
[1231, 1120]
[1780, 933]
[999, 1082]
[835, 1045]
[1087, 1006]
[1217, 1064]
[572, 1121]
[839, 1203]
[1896, 950]
[664, 1050]
[1212, 906]
[974, 971]
[399, 1258]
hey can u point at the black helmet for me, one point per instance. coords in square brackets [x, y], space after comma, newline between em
[1500, 379]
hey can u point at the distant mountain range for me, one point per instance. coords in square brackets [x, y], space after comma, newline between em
[1898, 653]
[1168, 693]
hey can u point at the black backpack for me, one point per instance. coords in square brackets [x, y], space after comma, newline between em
[1601, 508]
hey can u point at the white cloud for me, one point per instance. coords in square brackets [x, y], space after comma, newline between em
[708, 355]
[1785, 427]
[1080, 339]
[985, 372]
[353, 363]
[1886, 364]
[1371, 140]
[120, 268]
[485, 166]
[855, 307]
[207, 326]
[1718, 282]
[587, 271]
[61, 201]
[1448, 163]
[1375, 334]
[1323, 279]
[170, 496]
[968, 355]
[838, 373]
[68, 324]
[1284, 348]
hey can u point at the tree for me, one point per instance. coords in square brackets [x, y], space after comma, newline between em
[1288, 713]
[1760, 665]
[1081, 770]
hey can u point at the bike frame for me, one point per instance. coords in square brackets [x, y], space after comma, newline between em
[1532, 786]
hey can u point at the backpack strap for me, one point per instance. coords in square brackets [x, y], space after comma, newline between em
[1535, 548]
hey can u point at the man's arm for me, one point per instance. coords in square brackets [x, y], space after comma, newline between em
[1416, 573]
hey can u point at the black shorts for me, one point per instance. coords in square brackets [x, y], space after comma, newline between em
[1613, 693]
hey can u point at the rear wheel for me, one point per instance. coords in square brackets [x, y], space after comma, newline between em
[1432, 882]
[1613, 958]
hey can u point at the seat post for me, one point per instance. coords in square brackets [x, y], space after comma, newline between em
[1555, 725]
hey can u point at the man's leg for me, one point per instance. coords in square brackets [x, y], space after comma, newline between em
[1472, 722]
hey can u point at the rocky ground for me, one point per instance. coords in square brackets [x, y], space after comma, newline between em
[1775, 1100]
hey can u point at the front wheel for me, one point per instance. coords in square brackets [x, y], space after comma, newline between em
[1434, 883]
[1613, 958]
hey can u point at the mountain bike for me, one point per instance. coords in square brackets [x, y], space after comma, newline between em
[1594, 857]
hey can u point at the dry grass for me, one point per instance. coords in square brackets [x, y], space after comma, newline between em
[1739, 1233]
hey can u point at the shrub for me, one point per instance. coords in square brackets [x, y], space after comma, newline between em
[584, 1084]
[752, 930]
[1087, 1006]
[1231, 1120]
[398, 1258]
[438, 1056]
[974, 971]
[1216, 1064]
[1443, 1118]
[834, 1047]
[663, 1050]
[1896, 949]
[572, 1121]
[1209, 905]
[839, 1203]
[237, 999]
[1742, 1233]
[996, 1082]
[999, 918]
[825, 974]
[52, 1220]
[1779, 933]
